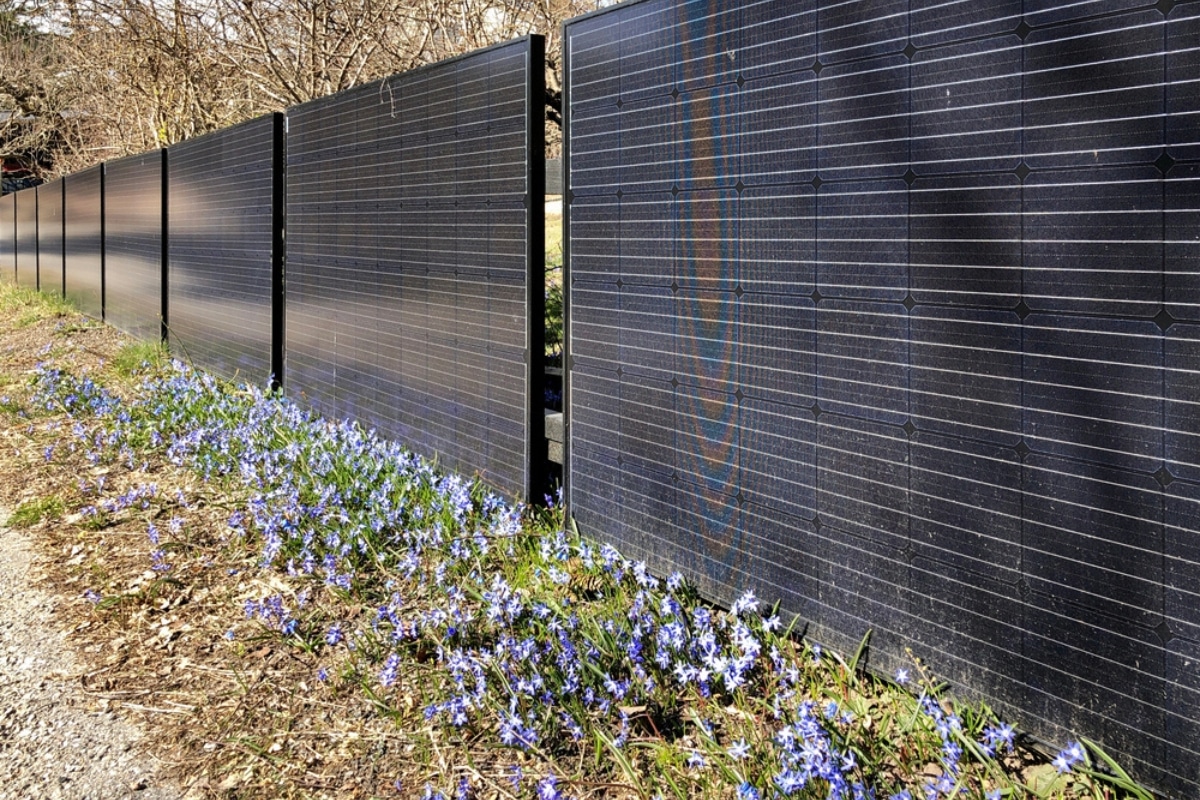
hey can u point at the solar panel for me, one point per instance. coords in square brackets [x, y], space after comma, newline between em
[27, 272]
[887, 310]
[414, 274]
[50, 237]
[8, 237]
[221, 264]
[133, 244]
[84, 240]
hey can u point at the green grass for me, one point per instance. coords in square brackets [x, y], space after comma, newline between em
[137, 358]
[554, 287]
[31, 512]
[554, 239]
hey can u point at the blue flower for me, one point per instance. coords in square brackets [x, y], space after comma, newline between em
[547, 789]
[1069, 757]
[744, 604]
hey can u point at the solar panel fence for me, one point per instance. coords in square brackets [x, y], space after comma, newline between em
[83, 245]
[888, 311]
[133, 244]
[224, 259]
[27, 238]
[50, 237]
[414, 266]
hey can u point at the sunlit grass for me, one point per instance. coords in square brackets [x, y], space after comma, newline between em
[31, 512]
[138, 357]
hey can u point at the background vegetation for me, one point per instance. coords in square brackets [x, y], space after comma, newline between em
[83, 81]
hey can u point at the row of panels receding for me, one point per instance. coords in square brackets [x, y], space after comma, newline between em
[406, 292]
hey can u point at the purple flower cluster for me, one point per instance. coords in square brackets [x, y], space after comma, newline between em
[338, 510]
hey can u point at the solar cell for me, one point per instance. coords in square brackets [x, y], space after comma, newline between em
[966, 245]
[1094, 241]
[1181, 293]
[1093, 90]
[1183, 76]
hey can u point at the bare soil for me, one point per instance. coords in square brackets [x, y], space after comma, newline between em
[239, 717]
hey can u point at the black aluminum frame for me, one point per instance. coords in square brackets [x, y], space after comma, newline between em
[537, 466]
[279, 251]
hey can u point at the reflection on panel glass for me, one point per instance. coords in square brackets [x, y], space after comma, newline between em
[409, 214]
[885, 310]
[27, 272]
[133, 245]
[83, 244]
[220, 215]
[8, 238]
[50, 237]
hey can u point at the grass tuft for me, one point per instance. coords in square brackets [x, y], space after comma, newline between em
[137, 358]
[32, 512]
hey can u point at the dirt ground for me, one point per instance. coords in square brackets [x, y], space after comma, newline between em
[227, 710]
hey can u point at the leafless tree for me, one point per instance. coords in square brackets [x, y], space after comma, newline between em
[96, 79]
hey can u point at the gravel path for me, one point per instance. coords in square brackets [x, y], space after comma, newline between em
[55, 740]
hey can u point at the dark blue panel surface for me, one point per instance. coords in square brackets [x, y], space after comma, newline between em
[1094, 91]
[966, 373]
[935, 22]
[1093, 390]
[862, 360]
[1094, 241]
[1182, 290]
[967, 558]
[771, 261]
[50, 238]
[862, 239]
[1181, 551]
[853, 31]
[790, 45]
[1083, 548]
[27, 236]
[966, 105]
[1181, 440]
[133, 229]
[84, 240]
[863, 118]
[410, 209]
[924, 358]
[221, 212]
[1182, 709]
[966, 240]
[1183, 72]
[8, 238]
